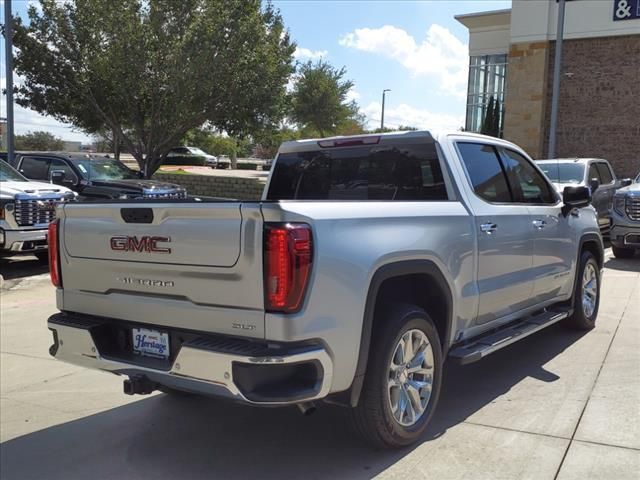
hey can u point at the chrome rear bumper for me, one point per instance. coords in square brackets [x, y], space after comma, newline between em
[199, 366]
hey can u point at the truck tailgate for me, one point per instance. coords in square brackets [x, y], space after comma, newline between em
[196, 266]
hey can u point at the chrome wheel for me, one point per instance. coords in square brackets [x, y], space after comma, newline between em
[589, 290]
[410, 377]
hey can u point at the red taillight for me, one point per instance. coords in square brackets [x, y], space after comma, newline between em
[287, 265]
[54, 258]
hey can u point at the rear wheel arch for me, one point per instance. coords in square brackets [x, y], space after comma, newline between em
[397, 283]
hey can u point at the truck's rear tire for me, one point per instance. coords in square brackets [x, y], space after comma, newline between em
[403, 379]
[586, 296]
[620, 252]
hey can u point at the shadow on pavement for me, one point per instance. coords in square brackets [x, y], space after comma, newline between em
[21, 266]
[626, 265]
[168, 436]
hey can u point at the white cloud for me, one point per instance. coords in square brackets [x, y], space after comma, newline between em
[352, 95]
[306, 54]
[440, 54]
[407, 115]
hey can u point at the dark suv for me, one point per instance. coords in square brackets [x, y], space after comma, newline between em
[93, 176]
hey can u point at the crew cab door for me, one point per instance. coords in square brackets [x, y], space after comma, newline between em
[505, 241]
[600, 198]
[553, 236]
[608, 185]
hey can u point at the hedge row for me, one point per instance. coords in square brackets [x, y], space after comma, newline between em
[197, 160]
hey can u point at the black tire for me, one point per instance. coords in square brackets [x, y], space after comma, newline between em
[43, 257]
[373, 418]
[579, 320]
[620, 252]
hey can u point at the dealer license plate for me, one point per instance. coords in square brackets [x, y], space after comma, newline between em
[150, 343]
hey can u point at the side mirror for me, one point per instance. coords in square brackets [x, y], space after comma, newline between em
[576, 197]
[625, 182]
[594, 184]
[57, 177]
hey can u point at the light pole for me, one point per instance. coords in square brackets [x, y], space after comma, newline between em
[8, 42]
[555, 93]
[382, 118]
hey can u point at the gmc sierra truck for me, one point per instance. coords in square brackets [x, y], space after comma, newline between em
[368, 262]
[26, 208]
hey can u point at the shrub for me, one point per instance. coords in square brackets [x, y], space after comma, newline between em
[247, 166]
[196, 160]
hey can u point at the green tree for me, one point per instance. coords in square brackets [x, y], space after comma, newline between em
[211, 142]
[497, 113]
[489, 121]
[319, 99]
[38, 141]
[401, 128]
[151, 70]
[268, 141]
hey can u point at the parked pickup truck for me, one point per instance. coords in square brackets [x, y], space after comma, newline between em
[93, 177]
[625, 221]
[369, 261]
[596, 173]
[26, 208]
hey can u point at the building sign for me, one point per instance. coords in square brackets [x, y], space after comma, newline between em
[626, 10]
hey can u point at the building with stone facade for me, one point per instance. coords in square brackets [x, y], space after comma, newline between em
[511, 70]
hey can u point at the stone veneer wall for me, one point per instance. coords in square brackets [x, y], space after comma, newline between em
[599, 109]
[526, 93]
[217, 186]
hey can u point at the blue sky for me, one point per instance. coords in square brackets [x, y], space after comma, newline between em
[416, 49]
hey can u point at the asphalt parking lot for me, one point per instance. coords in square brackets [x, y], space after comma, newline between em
[559, 404]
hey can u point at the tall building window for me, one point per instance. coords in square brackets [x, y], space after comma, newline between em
[485, 99]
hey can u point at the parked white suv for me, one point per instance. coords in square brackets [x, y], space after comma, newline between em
[26, 209]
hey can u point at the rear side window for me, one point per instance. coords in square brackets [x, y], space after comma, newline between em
[35, 168]
[605, 173]
[485, 172]
[400, 172]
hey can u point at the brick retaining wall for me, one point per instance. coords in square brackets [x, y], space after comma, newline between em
[214, 186]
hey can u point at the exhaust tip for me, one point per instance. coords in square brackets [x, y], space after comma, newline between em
[307, 408]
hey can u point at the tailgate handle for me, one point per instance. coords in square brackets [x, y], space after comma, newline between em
[137, 215]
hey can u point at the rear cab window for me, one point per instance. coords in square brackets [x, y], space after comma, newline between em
[401, 171]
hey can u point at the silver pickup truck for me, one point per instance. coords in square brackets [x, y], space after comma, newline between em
[369, 261]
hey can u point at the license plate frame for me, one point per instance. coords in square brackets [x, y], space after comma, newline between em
[150, 343]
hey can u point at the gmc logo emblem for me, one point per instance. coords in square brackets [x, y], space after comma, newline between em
[143, 244]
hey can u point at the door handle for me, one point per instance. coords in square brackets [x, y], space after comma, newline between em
[488, 228]
[539, 224]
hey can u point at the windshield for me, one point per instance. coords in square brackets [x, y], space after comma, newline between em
[196, 151]
[104, 169]
[563, 172]
[9, 174]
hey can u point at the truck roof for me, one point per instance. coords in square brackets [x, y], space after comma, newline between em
[423, 135]
[570, 160]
